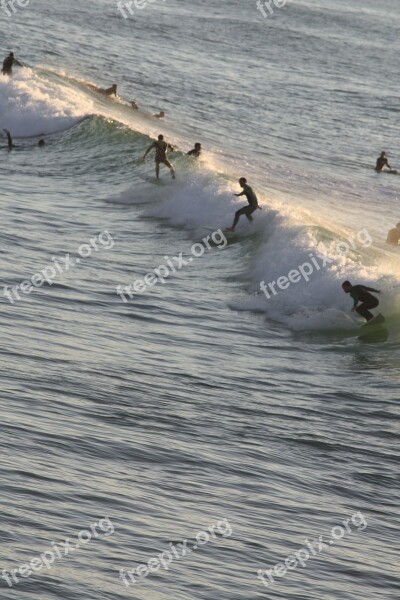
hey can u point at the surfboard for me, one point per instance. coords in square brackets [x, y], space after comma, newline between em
[373, 331]
[375, 321]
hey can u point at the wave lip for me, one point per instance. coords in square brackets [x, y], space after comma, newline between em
[32, 106]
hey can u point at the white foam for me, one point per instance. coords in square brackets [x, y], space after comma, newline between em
[32, 106]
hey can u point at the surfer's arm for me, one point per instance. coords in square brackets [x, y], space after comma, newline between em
[240, 194]
[372, 290]
[16, 62]
[9, 138]
[148, 150]
[171, 147]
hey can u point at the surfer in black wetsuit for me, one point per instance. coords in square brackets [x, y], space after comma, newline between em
[381, 162]
[196, 150]
[8, 64]
[246, 210]
[360, 293]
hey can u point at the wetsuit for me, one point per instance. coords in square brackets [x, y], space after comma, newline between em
[359, 293]
[194, 152]
[246, 210]
[8, 65]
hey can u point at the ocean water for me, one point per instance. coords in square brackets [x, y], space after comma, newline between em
[200, 404]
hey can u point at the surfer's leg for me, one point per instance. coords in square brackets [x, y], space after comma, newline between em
[170, 167]
[363, 309]
[157, 170]
[238, 214]
[249, 212]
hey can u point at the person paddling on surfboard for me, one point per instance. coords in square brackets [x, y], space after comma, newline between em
[246, 210]
[360, 293]
[381, 162]
[161, 147]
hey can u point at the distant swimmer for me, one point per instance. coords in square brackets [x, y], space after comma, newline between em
[196, 150]
[246, 210]
[381, 162]
[41, 143]
[360, 293]
[393, 237]
[112, 91]
[134, 105]
[161, 147]
[160, 115]
[8, 64]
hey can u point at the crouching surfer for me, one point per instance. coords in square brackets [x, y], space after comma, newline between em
[360, 293]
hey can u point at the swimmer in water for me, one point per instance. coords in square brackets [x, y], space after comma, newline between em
[41, 143]
[196, 150]
[8, 64]
[160, 115]
[381, 162]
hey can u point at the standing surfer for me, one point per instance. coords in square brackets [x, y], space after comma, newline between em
[246, 210]
[161, 147]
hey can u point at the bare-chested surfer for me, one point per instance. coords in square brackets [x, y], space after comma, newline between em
[161, 147]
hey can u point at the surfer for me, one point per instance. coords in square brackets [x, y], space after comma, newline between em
[196, 150]
[160, 115]
[8, 64]
[161, 147]
[393, 237]
[381, 162]
[360, 293]
[41, 143]
[112, 91]
[246, 210]
[134, 105]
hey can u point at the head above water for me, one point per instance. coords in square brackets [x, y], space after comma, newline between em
[383, 154]
[160, 138]
[12, 54]
[41, 143]
[197, 146]
[346, 285]
[243, 181]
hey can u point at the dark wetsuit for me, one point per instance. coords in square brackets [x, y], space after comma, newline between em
[381, 162]
[196, 153]
[246, 210]
[8, 65]
[359, 293]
